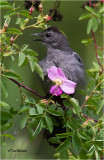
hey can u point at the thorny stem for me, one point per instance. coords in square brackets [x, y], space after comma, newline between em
[29, 89]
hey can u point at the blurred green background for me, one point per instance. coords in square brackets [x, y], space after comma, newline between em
[75, 31]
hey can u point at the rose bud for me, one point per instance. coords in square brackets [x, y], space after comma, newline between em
[31, 9]
[40, 7]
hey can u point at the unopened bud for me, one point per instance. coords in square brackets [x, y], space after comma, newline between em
[47, 18]
[12, 39]
[31, 9]
[101, 1]
[6, 25]
[40, 7]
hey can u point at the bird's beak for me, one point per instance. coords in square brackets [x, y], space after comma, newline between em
[37, 34]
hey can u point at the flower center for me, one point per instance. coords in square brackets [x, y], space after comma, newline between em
[58, 81]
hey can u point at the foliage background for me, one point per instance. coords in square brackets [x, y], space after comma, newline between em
[75, 31]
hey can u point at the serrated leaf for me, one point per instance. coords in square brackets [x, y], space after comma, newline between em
[89, 26]
[30, 100]
[21, 59]
[90, 9]
[33, 111]
[24, 109]
[54, 112]
[25, 13]
[24, 47]
[64, 145]
[71, 126]
[18, 20]
[39, 109]
[5, 5]
[38, 128]
[30, 52]
[54, 140]
[10, 13]
[22, 24]
[76, 106]
[49, 123]
[91, 150]
[8, 53]
[100, 107]
[4, 88]
[39, 70]
[64, 135]
[94, 24]
[11, 74]
[6, 115]
[23, 122]
[84, 16]
[8, 135]
[83, 135]
[6, 126]
[76, 143]
[101, 9]
[4, 105]
[13, 31]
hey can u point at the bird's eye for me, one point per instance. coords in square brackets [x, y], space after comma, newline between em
[48, 34]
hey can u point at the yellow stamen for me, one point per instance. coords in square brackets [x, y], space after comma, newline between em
[58, 81]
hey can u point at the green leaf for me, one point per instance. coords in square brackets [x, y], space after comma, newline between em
[49, 123]
[54, 140]
[8, 135]
[54, 112]
[8, 53]
[97, 155]
[64, 145]
[90, 9]
[76, 143]
[64, 155]
[32, 62]
[4, 105]
[23, 122]
[91, 151]
[10, 13]
[22, 24]
[18, 20]
[6, 116]
[21, 59]
[38, 128]
[101, 9]
[94, 24]
[82, 135]
[6, 126]
[100, 107]
[33, 111]
[84, 16]
[71, 125]
[25, 13]
[5, 5]
[24, 47]
[39, 70]
[30, 100]
[39, 108]
[4, 88]
[76, 106]
[89, 26]
[64, 135]
[13, 31]
[24, 109]
[30, 52]
[11, 74]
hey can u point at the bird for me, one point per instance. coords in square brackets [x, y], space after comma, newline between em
[60, 54]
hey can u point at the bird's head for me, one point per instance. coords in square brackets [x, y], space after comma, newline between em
[53, 38]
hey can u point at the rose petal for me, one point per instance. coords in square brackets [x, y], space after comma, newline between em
[52, 73]
[68, 86]
[55, 72]
[56, 90]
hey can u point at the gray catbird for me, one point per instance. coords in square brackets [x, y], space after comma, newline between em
[60, 54]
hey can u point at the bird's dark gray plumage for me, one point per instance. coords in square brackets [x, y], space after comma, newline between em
[60, 54]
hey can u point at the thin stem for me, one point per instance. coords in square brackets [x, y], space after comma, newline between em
[93, 34]
[88, 117]
[29, 89]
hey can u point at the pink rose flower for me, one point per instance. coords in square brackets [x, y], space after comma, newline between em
[62, 84]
